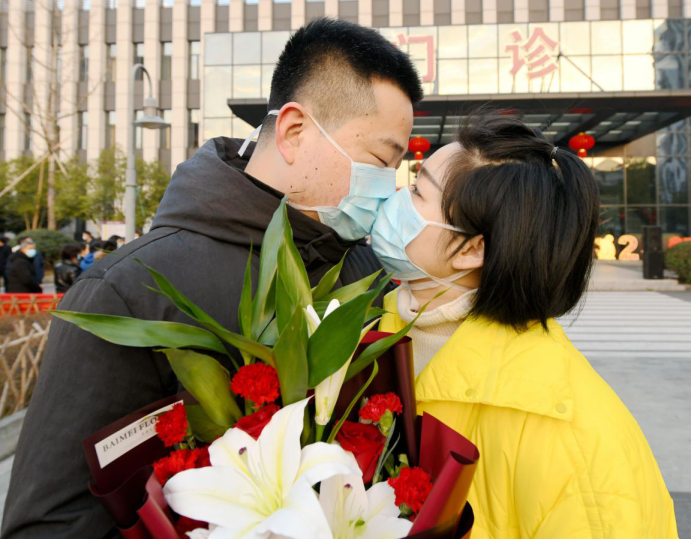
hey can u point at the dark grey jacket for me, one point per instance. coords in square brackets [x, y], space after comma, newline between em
[200, 240]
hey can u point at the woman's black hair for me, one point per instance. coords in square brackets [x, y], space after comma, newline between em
[70, 252]
[537, 209]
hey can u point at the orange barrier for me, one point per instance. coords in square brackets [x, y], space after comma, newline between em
[27, 303]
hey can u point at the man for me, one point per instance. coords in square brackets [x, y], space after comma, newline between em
[37, 259]
[5, 252]
[21, 271]
[360, 89]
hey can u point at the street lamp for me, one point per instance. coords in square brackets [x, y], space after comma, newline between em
[150, 120]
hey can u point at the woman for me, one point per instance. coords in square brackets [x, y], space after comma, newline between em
[67, 272]
[505, 223]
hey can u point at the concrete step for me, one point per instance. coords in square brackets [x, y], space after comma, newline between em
[636, 285]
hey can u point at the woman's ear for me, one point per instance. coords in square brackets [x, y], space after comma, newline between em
[289, 126]
[470, 256]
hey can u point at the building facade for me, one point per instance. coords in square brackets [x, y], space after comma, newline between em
[616, 69]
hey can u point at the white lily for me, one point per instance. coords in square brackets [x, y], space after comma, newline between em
[255, 489]
[354, 513]
[327, 392]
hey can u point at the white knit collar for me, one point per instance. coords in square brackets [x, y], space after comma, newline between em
[453, 311]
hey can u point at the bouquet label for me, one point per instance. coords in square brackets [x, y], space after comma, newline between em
[129, 437]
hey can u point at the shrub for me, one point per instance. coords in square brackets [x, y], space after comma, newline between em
[677, 259]
[49, 243]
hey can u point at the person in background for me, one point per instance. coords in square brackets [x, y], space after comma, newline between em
[83, 251]
[119, 241]
[5, 252]
[67, 271]
[21, 271]
[88, 258]
[87, 238]
[39, 264]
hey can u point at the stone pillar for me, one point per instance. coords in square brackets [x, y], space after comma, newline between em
[179, 85]
[69, 100]
[97, 57]
[396, 13]
[458, 11]
[427, 12]
[298, 14]
[16, 78]
[123, 72]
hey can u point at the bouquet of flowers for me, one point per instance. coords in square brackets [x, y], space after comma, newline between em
[315, 435]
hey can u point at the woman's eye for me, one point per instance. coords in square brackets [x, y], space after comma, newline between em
[414, 189]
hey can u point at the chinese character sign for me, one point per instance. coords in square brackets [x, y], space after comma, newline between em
[534, 55]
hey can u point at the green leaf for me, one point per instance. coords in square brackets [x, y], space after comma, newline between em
[291, 359]
[203, 427]
[337, 337]
[356, 398]
[245, 305]
[328, 281]
[263, 303]
[208, 382]
[352, 290]
[377, 349]
[141, 333]
[270, 335]
[188, 307]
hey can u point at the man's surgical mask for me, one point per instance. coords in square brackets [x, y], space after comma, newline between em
[370, 186]
[397, 224]
[31, 253]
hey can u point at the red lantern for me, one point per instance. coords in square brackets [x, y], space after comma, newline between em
[418, 144]
[581, 143]
[418, 156]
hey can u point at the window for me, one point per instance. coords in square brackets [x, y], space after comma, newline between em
[3, 64]
[2, 132]
[84, 63]
[83, 119]
[139, 59]
[110, 129]
[193, 118]
[112, 4]
[167, 3]
[166, 57]
[86, 5]
[140, 4]
[29, 64]
[194, 53]
[27, 132]
[111, 62]
[165, 142]
[195, 3]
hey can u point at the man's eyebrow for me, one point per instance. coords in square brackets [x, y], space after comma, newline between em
[393, 144]
[423, 171]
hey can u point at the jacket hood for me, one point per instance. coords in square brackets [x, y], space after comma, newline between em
[210, 194]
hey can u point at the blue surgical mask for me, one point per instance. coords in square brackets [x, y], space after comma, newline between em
[370, 185]
[397, 224]
[31, 253]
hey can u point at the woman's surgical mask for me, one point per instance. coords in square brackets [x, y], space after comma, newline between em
[370, 186]
[397, 224]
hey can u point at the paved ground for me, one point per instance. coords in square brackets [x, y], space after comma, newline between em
[640, 344]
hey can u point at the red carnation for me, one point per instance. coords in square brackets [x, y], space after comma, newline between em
[411, 488]
[186, 525]
[172, 425]
[254, 423]
[179, 461]
[366, 442]
[377, 405]
[257, 382]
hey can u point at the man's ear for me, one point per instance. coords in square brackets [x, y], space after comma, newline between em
[470, 256]
[289, 126]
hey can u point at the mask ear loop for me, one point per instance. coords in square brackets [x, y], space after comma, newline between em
[255, 133]
[329, 138]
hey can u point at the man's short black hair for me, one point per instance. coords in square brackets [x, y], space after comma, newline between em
[331, 64]
[70, 252]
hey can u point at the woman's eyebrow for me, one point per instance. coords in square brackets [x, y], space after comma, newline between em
[424, 172]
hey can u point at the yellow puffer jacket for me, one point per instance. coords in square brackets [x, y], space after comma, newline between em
[561, 456]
